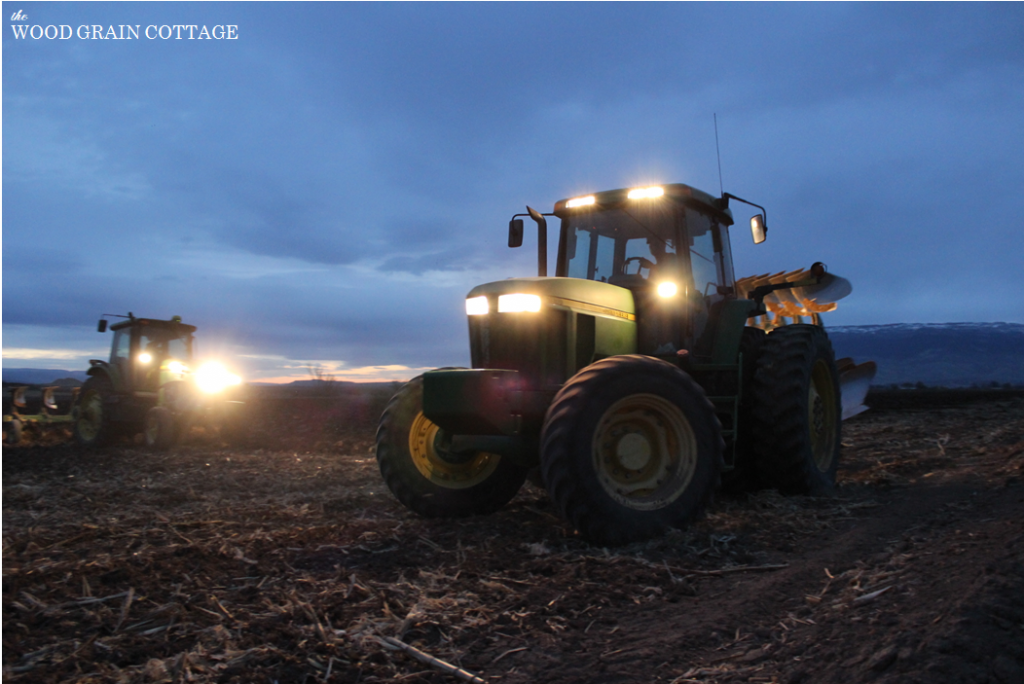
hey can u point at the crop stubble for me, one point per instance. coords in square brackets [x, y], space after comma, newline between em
[210, 564]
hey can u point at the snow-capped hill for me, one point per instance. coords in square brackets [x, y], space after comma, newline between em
[937, 354]
[1012, 328]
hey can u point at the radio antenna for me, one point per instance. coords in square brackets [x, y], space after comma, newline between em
[721, 188]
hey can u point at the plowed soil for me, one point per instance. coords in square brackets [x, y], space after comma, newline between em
[288, 561]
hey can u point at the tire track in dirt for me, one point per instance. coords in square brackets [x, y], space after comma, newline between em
[796, 624]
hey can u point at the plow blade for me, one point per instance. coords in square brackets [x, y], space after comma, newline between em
[797, 302]
[830, 290]
[854, 383]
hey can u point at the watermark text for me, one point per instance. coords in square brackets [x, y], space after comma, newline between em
[121, 31]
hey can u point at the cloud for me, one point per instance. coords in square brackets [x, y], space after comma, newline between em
[332, 185]
[17, 354]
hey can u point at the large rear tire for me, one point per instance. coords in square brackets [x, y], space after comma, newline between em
[429, 480]
[796, 415]
[92, 425]
[631, 446]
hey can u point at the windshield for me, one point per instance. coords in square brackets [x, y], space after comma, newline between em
[621, 245]
[163, 344]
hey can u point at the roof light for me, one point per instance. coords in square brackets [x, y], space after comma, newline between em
[646, 193]
[514, 303]
[580, 202]
[477, 306]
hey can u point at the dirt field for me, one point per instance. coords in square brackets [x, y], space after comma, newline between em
[290, 562]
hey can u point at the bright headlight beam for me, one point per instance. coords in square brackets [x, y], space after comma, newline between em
[212, 377]
[515, 303]
[477, 306]
[667, 289]
[145, 357]
[580, 202]
[646, 193]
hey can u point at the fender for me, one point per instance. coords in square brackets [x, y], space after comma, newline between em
[99, 368]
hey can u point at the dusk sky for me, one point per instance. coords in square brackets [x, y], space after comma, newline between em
[324, 188]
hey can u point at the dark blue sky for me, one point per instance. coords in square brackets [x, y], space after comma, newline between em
[326, 188]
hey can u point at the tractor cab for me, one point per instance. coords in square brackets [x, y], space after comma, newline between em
[629, 242]
[144, 348]
[668, 245]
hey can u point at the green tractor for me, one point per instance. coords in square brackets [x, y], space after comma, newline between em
[148, 386]
[635, 380]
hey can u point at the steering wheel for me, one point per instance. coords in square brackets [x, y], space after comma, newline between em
[644, 262]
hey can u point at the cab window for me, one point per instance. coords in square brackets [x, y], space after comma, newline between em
[154, 344]
[122, 345]
[595, 255]
[651, 250]
[706, 262]
[728, 275]
[620, 244]
[121, 351]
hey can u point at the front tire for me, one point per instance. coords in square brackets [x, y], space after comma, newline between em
[92, 424]
[796, 418]
[425, 477]
[631, 446]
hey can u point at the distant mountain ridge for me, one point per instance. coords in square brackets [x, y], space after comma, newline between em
[40, 376]
[936, 354]
[1012, 328]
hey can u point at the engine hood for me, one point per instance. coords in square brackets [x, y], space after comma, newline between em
[589, 296]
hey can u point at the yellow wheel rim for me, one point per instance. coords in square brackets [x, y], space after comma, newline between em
[90, 415]
[426, 454]
[645, 452]
[822, 415]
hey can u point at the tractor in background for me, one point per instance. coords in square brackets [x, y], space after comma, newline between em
[149, 386]
[636, 379]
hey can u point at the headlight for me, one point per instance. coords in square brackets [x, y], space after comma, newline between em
[667, 289]
[145, 357]
[176, 367]
[212, 377]
[514, 303]
[477, 306]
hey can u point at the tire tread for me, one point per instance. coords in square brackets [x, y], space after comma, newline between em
[568, 410]
[779, 414]
[413, 490]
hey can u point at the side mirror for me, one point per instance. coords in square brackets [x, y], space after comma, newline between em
[758, 228]
[515, 233]
[102, 326]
